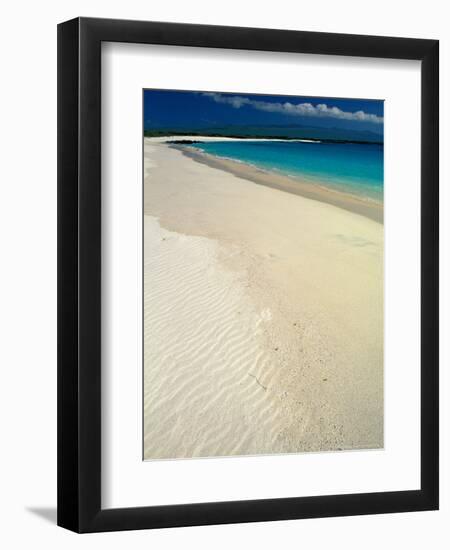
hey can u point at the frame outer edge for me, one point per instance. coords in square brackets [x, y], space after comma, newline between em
[430, 276]
[79, 275]
[67, 370]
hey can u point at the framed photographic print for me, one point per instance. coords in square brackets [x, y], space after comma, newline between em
[248, 275]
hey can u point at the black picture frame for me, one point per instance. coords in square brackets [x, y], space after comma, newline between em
[79, 274]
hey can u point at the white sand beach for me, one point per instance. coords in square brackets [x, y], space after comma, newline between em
[263, 315]
[165, 139]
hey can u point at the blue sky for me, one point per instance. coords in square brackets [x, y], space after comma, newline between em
[177, 110]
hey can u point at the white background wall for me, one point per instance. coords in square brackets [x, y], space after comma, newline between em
[28, 271]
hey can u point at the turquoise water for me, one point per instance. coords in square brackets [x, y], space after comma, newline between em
[350, 167]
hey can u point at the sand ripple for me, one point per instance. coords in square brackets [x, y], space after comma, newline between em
[207, 389]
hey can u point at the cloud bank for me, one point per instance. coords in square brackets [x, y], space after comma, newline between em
[294, 109]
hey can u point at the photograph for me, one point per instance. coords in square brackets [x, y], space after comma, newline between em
[263, 301]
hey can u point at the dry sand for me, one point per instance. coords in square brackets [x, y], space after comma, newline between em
[263, 316]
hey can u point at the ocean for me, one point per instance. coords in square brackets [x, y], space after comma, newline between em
[349, 167]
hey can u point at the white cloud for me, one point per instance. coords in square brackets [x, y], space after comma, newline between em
[294, 109]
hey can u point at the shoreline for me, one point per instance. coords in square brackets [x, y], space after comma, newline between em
[168, 139]
[289, 184]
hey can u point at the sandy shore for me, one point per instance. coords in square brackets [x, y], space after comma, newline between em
[165, 139]
[370, 208]
[263, 316]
